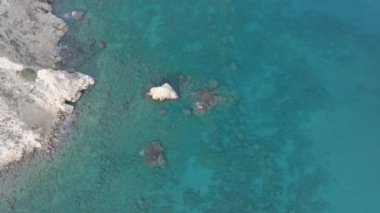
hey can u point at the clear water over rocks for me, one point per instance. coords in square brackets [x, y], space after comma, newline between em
[278, 109]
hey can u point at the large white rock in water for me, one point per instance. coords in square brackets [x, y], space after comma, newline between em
[161, 93]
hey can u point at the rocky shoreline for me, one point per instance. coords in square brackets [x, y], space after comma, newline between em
[36, 99]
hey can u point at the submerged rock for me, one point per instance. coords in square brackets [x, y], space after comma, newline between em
[141, 203]
[77, 14]
[213, 84]
[102, 44]
[206, 100]
[125, 105]
[162, 112]
[155, 155]
[162, 93]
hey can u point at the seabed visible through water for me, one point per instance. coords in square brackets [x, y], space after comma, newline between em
[294, 129]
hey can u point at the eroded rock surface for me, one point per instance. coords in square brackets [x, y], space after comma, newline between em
[29, 32]
[30, 102]
[162, 93]
[35, 99]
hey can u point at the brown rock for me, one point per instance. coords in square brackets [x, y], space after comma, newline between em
[206, 100]
[155, 155]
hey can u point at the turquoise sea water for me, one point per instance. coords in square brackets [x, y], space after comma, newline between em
[296, 127]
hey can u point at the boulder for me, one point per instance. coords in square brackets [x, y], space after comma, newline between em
[206, 100]
[162, 93]
[155, 155]
[77, 14]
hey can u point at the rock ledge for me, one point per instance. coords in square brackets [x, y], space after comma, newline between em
[35, 98]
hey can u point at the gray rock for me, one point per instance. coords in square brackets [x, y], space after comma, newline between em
[34, 97]
[29, 32]
[77, 14]
[32, 105]
[102, 44]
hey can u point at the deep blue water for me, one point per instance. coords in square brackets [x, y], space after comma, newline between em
[296, 126]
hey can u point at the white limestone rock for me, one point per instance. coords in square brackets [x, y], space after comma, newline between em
[30, 103]
[162, 93]
[35, 99]
[29, 32]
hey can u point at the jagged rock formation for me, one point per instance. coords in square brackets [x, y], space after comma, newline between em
[34, 98]
[29, 32]
[30, 102]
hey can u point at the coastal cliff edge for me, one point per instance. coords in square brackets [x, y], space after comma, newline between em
[35, 97]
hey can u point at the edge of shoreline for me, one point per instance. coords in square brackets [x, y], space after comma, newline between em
[57, 135]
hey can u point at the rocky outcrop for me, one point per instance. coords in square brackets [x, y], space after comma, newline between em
[162, 93]
[34, 98]
[30, 102]
[29, 32]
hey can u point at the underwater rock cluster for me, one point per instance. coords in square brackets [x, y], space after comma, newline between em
[204, 100]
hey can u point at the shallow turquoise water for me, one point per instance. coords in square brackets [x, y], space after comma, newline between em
[295, 128]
